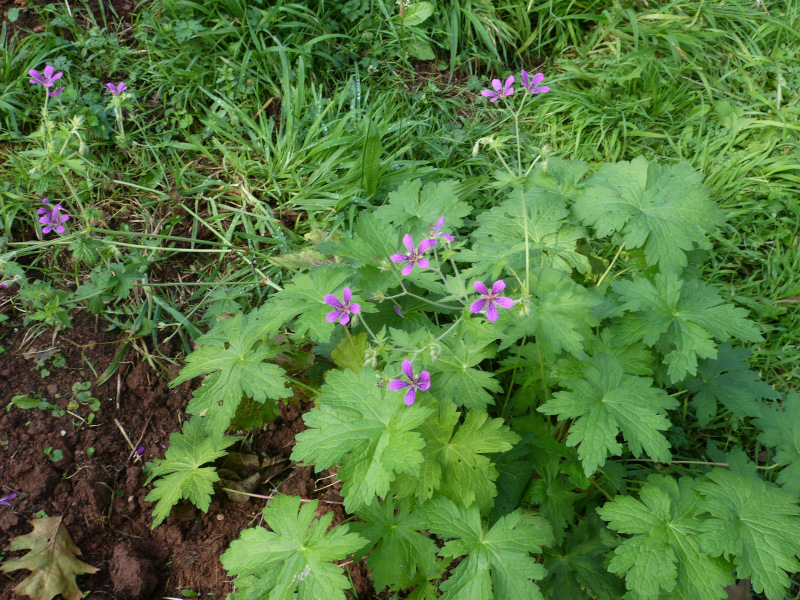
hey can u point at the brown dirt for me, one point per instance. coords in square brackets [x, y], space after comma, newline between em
[120, 11]
[101, 496]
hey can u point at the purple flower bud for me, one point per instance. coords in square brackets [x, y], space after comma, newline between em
[5, 499]
[140, 451]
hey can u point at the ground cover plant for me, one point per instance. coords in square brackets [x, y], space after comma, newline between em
[516, 281]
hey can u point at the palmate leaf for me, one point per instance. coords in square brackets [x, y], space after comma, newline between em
[664, 208]
[415, 208]
[727, 380]
[779, 426]
[606, 402]
[560, 313]
[53, 561]
[369, 432]
[498, 564]
[664, 553]
[500, 241]
[181, 472]
[399, 550]
[231, 354]
[455, 464]
[457, 378]
[756, 523]
[295, 559]
[683, 316]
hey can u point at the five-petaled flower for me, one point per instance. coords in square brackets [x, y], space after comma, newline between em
[52, 218]
[343, 310]
[421, 383]
[414, 257]
[47, 79]
[116, 89]
[490, 299]
[5, 499]
[434, 229]
[532, 85]
[500, 89]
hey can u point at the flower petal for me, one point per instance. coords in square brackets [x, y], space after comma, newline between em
[498, 286]
[347, 294]
[355, 309]
[47, 229]
[425, 245]
[56, 77]
[537, 79]
[439, 225]
[63, 218]
[486, 93]
[446, 236]
[424, 381]
[60, 229]
[48, 71]
[507, 85]
[525, 78]
[542, 90]
[398, 384]
[477, 306]
[408, 369]
[410, 397]
[407, 269]
[480, 288]
[45, 219]
[423, 263]
[491, 312]
[333, 316]
[400, 257]
[497, 85]
[345, 318]
[332, 300]
[408, 242]
[504, 302]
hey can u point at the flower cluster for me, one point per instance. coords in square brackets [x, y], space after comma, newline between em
[503, 89]
[414, 257]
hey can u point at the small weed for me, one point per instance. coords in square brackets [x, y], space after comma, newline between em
[54, 455]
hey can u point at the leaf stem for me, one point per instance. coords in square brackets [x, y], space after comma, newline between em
[614, 260]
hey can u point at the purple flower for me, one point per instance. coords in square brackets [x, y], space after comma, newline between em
[52, 219]
[399, 311]
[3, 284]
[56, 92]
[413, 257]
[139, 451]
[532, 85]
[434, 229]
[5, 499]
[47, 79]
[500, 89]
[490, 299]
[421, 383]
[116, 89]
[343, 311]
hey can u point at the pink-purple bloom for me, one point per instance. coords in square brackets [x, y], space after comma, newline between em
[116, 89]
[532, 85]
[414, 257]
[52, 218]
[490, 298]
[343, 309]
[56, 92]
[3, 283]
[5, 499]
[434, 229]
[421, 383]
[46, 79]
[501, 90]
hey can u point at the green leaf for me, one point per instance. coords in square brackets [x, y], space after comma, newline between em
[779, 426]
[295, 559]
[560, 313]
[420, 50]
[181, 474]
[664, 552]
[349, 354]
[577, 571]
[399, 550]
[664, 208]
[682, 317]
[455, 463]
[52, 561]
[606, 402]
[498, 564]
[416, 13]
[233, 356]
[415, 208]
[755, 522]
[500, 240]
[552, 494]
[457, 378]
[727, 380]
[371, 159]
[369, 432]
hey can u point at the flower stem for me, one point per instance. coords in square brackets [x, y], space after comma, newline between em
[614, 260]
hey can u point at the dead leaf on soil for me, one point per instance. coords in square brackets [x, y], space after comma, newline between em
[51, 560]
[740, 591]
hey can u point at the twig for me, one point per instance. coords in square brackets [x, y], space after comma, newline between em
[144, 429]
[125, 435]
[271, 496]
[119, 379]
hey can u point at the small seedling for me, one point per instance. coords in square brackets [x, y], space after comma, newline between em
[82, 395]
[90, 451]
[54, 455]
[28, 402]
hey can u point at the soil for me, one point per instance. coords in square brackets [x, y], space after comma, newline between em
[101, 493]
[118, 11]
